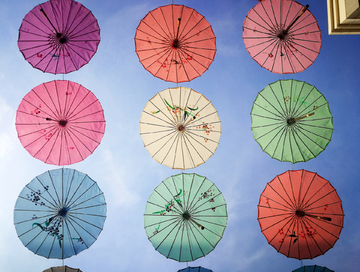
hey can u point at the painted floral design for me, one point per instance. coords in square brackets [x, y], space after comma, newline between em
[177, 110]
[207, 128]
[42, 132]
[47, 137]
[36, 110]
[79, 240]
[208, 195]
[171, 204]
[303, 102]
[309, 232]
[169, 208]
[35, 196]
[52, 226]
[288, 234]
[156, 231]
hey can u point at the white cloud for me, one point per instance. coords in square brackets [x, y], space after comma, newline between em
[6, 125]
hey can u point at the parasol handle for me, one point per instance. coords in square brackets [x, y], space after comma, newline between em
[177, 32]
[197, 224]
[297, 18]
[43, 12]
[319, 217]
[192, 119]
[302, 117]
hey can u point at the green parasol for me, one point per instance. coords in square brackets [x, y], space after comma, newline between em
[185, 217]
[291, 121]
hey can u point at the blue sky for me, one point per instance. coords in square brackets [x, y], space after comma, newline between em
[126, 172]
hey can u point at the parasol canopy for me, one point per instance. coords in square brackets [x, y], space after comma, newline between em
[195, 269]
[300, 214]
[59, 36]
[313, 268]
[60, 213]
[60, 122]
[175, 43]
[62, 269]
[282, 36]
[180, 128]
[185, 217]
[291, 121]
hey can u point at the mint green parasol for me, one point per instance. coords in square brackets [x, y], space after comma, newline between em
[185, 217]
[291, 121]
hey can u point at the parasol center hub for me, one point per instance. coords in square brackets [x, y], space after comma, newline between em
[290, 121]
[186, 215]
[63, 123]
[63, 211]
[61, 38]
[300, 213]
[282, 34]
[175, 44]
[181, 128]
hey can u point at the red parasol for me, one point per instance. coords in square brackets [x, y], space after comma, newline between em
[300, 214]
[282, 36]
[60, 122]
[175, 43]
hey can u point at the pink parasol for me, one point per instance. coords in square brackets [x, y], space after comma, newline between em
[60, 122]
[282, 36]
[59, 36]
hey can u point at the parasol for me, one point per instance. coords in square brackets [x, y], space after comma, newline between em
[185, 217]
[195, 269]
[60, 122]
[62, 269]
[313, 268]
[59, 36]
[60, 213]
[300, 214]
[175, 43]
[291, 121]
[282, 36]
[180, 128]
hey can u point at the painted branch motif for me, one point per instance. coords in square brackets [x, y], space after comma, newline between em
[177, 110]
[169, 208]
[53, 224]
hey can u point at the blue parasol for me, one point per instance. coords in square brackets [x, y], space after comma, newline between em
[60, 213]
